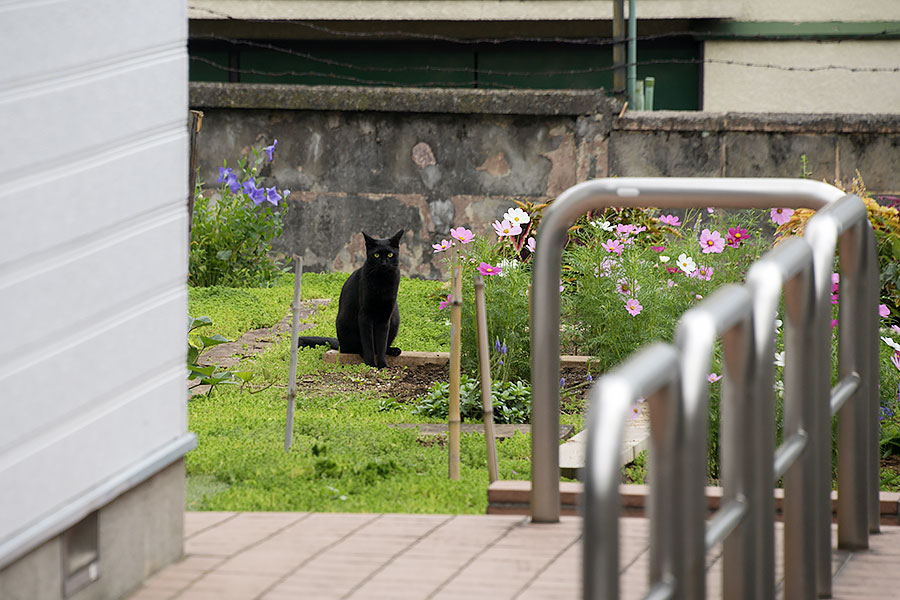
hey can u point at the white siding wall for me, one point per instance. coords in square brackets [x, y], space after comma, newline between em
[93, 181]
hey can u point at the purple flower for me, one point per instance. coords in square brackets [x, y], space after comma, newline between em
[272, 195]
[711, 241]
[503, 348]
[250, 186]
[589, 378]
[444, 303]
[258, 196]
[780, 216]
[270, 150]
[224, 174]
[883, 311]
[497, 344]
[486, 269]
[562, 382]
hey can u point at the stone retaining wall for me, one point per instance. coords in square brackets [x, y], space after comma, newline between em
[381, 159]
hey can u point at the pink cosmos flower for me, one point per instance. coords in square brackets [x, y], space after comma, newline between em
[895, 328]
[613, 246]
[625, 288]
[713, 377]
[624, 229]
[670, 283]
[638, 230]
[711, 241]
[462, 234]
[531, 244]
[486, 269]
[703, 273]
[444, 245]
[833, 323]
[635, 411]
[445, 303]
[670, 220]
[883, 311]
[710, 209]
[633, 307]
[780, 216]
[736, 236]
[658, 248]
[895, 359]
[605, 268]
[506, 229]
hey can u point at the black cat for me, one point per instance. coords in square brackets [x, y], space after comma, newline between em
[368, 318]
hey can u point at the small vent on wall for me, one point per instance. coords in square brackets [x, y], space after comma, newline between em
[81, 555]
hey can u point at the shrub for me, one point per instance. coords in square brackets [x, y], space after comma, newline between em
[233, 228]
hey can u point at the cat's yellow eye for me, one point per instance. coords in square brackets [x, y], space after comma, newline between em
[390, 255]
[377, 255]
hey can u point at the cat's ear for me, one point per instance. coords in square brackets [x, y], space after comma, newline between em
[369, 239]
[395, 239]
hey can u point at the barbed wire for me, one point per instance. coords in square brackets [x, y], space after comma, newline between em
[530, 73]
[589, 40]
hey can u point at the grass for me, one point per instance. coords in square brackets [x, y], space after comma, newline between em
[345, 454]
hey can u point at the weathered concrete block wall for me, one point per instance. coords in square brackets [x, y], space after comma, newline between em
[428, 160]
[422, 161]
[687, 144]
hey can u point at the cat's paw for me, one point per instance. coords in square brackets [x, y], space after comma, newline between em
[393, 351]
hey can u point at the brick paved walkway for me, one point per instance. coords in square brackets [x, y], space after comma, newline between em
[393, 556]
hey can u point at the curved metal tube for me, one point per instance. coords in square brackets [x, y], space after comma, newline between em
[559, 216]
[653, 373]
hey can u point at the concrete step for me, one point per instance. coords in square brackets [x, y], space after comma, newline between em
[637, 439]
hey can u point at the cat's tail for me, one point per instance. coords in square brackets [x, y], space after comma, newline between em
[311, 341]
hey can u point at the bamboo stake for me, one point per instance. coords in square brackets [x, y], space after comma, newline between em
[484, 365]
[455, 356]
[292, 381]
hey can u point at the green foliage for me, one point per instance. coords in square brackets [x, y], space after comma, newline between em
[238, 310]
[636, 471]
[233, 229]
[511, 401]
[210, 375]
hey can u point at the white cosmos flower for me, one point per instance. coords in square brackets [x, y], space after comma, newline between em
[686, 263]
[890, 342]
[779, 359]
[604, 225]
[663, 258]
[516, 216]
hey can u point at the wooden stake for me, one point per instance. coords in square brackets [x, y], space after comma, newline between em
[195, 122]
[484, 366]
[455, 357]
[292, 381]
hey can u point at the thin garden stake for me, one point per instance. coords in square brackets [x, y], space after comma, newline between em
[455, 354]
[484, 365]
[295, 326]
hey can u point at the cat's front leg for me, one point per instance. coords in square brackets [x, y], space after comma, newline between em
[367, 341]
[380, 334]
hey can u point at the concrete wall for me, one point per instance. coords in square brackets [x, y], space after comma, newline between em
[92, 260]
[426, 161]
[729, 85]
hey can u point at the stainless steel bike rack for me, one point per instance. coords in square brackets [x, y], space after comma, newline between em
[559, 216]
[674, 379]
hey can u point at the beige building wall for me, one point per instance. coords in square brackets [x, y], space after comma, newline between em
[736, 87]
[816, 10]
